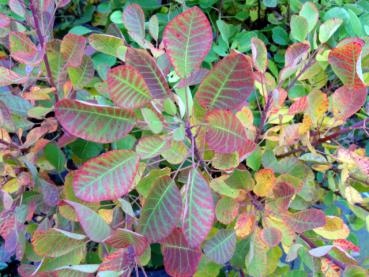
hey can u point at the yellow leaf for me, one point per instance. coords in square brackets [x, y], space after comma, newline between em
[244, 225]
[106, 214]
[246, 117]
[11, 186]
[352, 195]
[265, 179]
[334, 228]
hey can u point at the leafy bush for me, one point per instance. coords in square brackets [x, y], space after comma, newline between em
[177, 138]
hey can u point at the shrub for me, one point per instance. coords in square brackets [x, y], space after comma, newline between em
[119, 153]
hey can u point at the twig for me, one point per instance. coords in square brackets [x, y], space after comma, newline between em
[42, 42]
[329, 257]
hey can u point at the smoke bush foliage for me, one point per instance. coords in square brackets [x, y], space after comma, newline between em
[142, 136]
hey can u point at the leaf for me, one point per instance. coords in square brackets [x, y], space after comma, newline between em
[150, 146]
[221, 247]
[146, 183]
[226, 210]
[228, 84]
[311, 14]
[283, 193]
[23, 50]
[347, 100]
[271, 236]
[226, 134]
[127, 87]
[175, 152]
[80, 76]
[333, 229]
[305, 220]
[353, 196]
[257, 258]
[265, 179]
[161, 211]
[55, 156]
[134, 21]
[9, 77]
[92, 224]
[122, 238]
[245, 225]
[108, 44]
[94, 122]
[106, 177]
[354, 271]
[328, 28]
[198, 214]
[299, 28]
[153, 121]
[55, 243]
[187, 40]
[6, 120]
[154, 27]
[72, 48]
[220, 186]
[180, 259]
[195, 78]
[119, 261]
[296, 53]
[259, 54]
[146, 65]
[345, 62]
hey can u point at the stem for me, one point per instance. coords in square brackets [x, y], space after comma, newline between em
[42, 42]
[264, 117]
[329, 257]
[194, 148]
[359, 125]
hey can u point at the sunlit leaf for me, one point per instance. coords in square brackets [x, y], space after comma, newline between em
[334, 228]
[187, 39]
[259, 54]
[198, 212]
[108, 44]
[83, 74]
[94, 122]
[150, 146]
[120, 261]
[228, 84]
[122, 238]
[310, 12]
[162, 210]
[127, 87]
[106, 177]
[265, 179]
[226, 210]
[299, 28]
[245, 225]
[9, 77]
[271, 236]
[328, 28]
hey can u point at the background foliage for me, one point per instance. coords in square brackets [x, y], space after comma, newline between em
[185, 138]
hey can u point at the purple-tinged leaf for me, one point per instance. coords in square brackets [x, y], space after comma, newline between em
[72, 48]
[221, 247]
[228, 84]
[154, 27]
[23, 50]
[161, 211]
[226, 134]
[120, 261]
[96, 123]
[295, 53]
[271, 236]
[345, 61]
[80, 76]
[259, 54]
[122, 238]
[187, 40]
[198, 213]
[106, 177]
[92, 224]
[127, 87]
[9, 77]
[195, 78]
[347, 100]
[283, 193]
[146, 65]
[4, 21]
[305, 220]
[134, 21]
[6, 120]
[150, 146]
[180, 259]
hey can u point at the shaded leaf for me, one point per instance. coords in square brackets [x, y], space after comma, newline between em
[180, 259]
[195, 78]
[271, 236]
[228, 84]
[9, 77]
[94, 122]
[134, 21]
[221, 247]
[72, 48]
[226, 210]
[187, 40]
[161, 211]
[106, 177]
[23, 50]
[305, 220]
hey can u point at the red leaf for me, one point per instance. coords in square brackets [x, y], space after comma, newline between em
[134, 21]
[120, 260]
[298, 106]
[73, 48]
[180, 260]
[295, 53]
[305, 220]
[122, 238]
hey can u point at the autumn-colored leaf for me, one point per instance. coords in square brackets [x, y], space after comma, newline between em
[305, 220]
[23, 50]
[221, 247]
[72, 47]
[187, 39]
[265, 179]
[333, 229]
[259, 54]
[122, 238]
[134, 21]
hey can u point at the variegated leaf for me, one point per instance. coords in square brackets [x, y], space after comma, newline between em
[134, 21]
[305, 220]
[228, 84]
[23, 50]
[106, 177]
[73, 47]
[221, 247]
[187, 40]
[162, 210]
[259, 54]
[94, 122]
[122, 238]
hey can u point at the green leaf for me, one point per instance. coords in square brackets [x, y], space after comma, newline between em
[221, 247]
[328, 28]
[150, 146]
[92, 224]
[152, 120]
[55, 156]
[162, 210]
[80, 76]
[108, 44]
[299, 28]
[280, 36]
[311, 14]
[106, 177]
[147, 182]
[270, 3]
[259, 54]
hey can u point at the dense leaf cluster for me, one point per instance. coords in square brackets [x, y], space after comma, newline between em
[202, 137]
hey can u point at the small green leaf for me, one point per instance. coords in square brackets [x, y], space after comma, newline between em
[299, 28]
[55, 156]
[152, 120]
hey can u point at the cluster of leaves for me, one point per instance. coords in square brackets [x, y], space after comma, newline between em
[174, 141]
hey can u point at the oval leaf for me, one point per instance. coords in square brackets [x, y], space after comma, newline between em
[106, 177]
[187, 40]
[134, 21]
[305, 220]
[221, 247]
[122, 238]
[94, 122]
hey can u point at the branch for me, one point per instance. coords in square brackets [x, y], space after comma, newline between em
[42, 42]
[195, 149]
[329, 257]
[359, 125]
